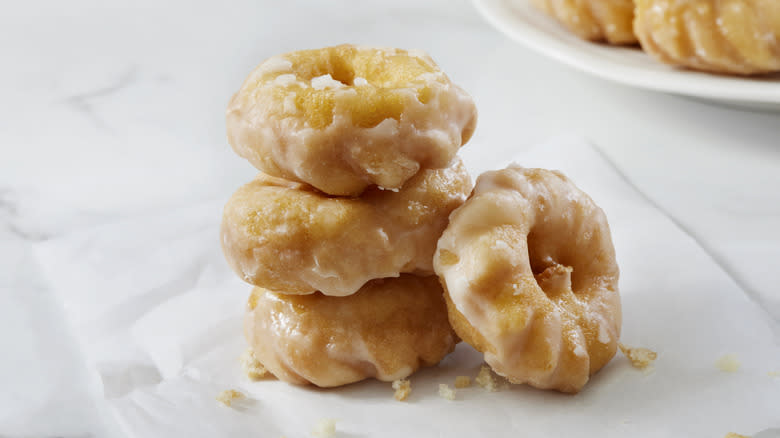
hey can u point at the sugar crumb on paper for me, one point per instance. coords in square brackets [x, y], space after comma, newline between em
[402, 389]
[486, 380]
[728, 363]
[227, 396]
[462, 382]
[251, 366]
[640, 358]
[325, 428]
[735, 435]
[446, 392]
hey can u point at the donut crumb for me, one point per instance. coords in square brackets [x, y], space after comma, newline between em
[448, 257]
[251, 366]
[728, 363]
[325, 428]
[485, 379]
[227, 396]
[446, 392]
[735, 435]
[641, 358]
[402, 389]
[462, 381]
[773, 374]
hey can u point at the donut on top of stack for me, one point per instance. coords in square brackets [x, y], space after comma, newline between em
[356, 148]
[345, 118]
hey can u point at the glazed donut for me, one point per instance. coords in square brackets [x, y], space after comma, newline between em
[387, 330]
[287, 236]
[344, 118]
[594, 20]
[722, 36]
[530, 278]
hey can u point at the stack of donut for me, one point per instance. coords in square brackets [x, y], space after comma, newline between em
[371, 255]
[356, 149]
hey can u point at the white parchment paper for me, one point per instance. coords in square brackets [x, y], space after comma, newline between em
[159, 313]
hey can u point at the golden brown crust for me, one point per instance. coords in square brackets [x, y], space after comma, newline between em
[530, 278]
[594, 20]
[387, 330]
[290, 237]
[722, 36]
[344, 118]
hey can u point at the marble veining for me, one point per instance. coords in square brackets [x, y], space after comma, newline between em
[13, 222]
[82, 102]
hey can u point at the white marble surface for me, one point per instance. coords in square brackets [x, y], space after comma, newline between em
[109, 110]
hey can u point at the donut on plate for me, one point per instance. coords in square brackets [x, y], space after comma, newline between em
[387, 330]
[721, 36]
[347, 117]
[594, 20]
[530, 278]
[287, 236]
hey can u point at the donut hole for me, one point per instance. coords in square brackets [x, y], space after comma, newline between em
[380, 68]
[382, 72]
[342, 71]
[537, 261]
[554, 273]
[334, 61]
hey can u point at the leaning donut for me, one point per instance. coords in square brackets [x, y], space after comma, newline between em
[344, 118]
[530, 278]
[387, 330]
[287, 236]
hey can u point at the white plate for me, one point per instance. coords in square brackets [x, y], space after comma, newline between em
[627, 65]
